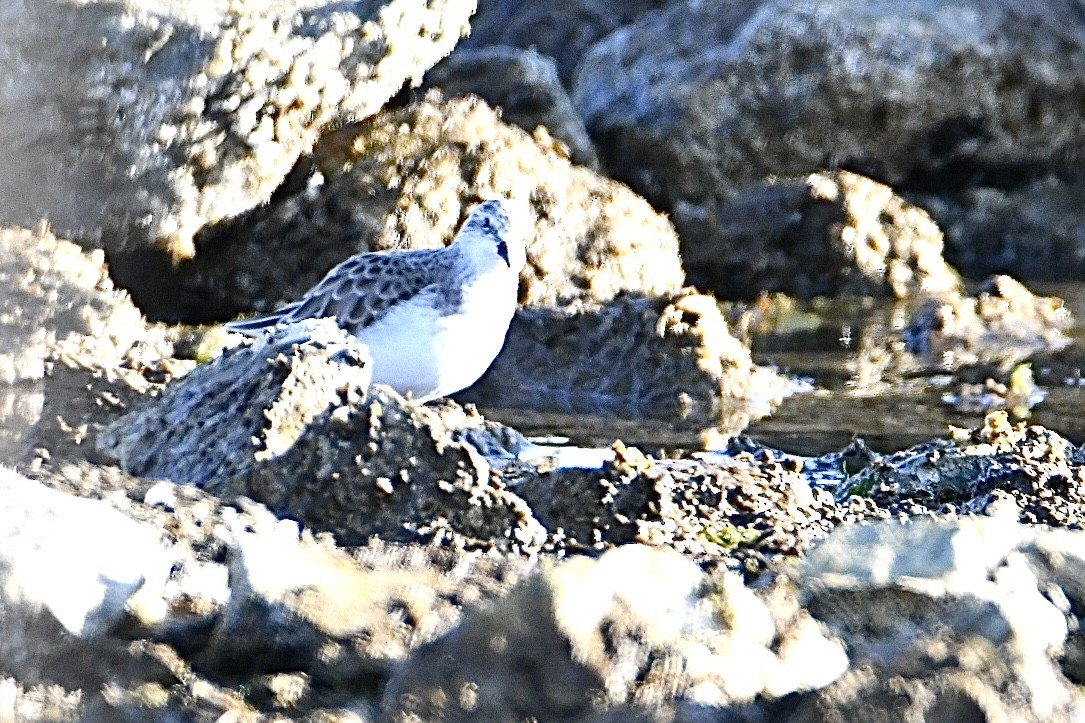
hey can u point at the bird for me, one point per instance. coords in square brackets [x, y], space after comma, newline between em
[433, 319]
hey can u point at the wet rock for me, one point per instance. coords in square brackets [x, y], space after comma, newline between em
[295, 427]
[562, 32]
[831, 233]
[405, 178]
[638, 625]
[910, 92]
[668, 358]
[525, 86]
[742, 512]
[1028, 472]
[151, 121]
[1002, 321]
[944, 620]
[1018, 395]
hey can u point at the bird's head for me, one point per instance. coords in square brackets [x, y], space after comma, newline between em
[492, 235]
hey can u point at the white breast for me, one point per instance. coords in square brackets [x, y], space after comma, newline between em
[427, 352]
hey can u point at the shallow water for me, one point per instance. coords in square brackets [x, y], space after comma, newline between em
[820, 345]
[910, 411]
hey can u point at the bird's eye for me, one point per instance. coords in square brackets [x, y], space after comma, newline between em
[486, 222]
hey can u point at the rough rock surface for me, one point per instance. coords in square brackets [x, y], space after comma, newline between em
[152, 120]
[526, 88]
[1001, 321]
[295, 427]
[742, 512]
[948, 620]
[58, 310]
[830, 233]
[1026, 472]
[774, 88]
[667, 358]
[405, 178]
[603, 640]
[562, 32]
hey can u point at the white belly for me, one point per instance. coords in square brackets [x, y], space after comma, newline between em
[425, 354]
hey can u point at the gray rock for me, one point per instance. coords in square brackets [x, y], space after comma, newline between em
[150, 120]
[406, 177]
[942, 619]
[295, 427]
[561, 31]
[669, 358]
[525, 86]
[1025, 471]
[829, 233]
[638, 624]
[742, 512]
[1035, 230]
[697, 100]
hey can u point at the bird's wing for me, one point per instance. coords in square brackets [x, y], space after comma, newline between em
[357, 292]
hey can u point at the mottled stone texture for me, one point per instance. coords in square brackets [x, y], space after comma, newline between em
[296, 428]
[667, 358]
[828, 233]
[135, 124]
[406, 178]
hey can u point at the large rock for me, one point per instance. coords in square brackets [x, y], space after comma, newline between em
[637, 627]
[948, 620]
[135, 124]
[525, 86]
[669, 358]
[698, 99]
[833, 232]
[562, 31]
[68, 568]
[58, 311]
[297, 428]
[1033, 230]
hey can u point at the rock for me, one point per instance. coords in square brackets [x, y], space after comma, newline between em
[526, 88]
[40, 702]
[743, 512]
[151, 121]
[942, 619]
[693, 102]
[405, 178]
[1028, 472]
[78, 559]
[1001, 322]
[58, 308]
[639, 624]
[831, 233]
[294, 427]
[68, 567]
[1033, 230]
[297, 604]
[667, 358]
[562, 32]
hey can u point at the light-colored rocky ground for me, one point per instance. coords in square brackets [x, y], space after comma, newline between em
[193, 529]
